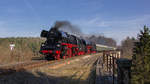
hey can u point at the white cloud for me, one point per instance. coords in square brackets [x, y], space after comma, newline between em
[118, 29]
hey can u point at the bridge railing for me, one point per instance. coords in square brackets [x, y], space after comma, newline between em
[118, 68]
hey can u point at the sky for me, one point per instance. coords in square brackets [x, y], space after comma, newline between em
[112, 18]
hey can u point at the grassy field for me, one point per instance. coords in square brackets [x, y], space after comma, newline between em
[25, 49]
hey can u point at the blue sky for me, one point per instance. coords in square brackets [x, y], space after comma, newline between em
[112, 18]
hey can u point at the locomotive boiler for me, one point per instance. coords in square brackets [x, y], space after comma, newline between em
[60, 44]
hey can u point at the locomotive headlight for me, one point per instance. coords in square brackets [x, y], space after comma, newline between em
[42, 44]
[58, 45]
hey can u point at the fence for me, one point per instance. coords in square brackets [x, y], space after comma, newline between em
[118, 68]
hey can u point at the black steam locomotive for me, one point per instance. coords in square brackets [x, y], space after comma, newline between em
[60, 44]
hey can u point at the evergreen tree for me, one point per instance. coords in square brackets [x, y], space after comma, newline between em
[141, 58]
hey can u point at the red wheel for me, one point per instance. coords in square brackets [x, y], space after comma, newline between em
[64, 57]
[70, 53]
[58, 57]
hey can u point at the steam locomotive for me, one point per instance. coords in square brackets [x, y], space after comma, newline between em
[60, 44]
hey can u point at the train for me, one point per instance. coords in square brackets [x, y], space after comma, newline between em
[62, 45]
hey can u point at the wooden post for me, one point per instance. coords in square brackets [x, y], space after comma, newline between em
[113, 70]
[107, 61]
[110, 63]
[104, 54]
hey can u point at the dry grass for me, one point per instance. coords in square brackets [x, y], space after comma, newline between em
[78, 72]
[25, 49]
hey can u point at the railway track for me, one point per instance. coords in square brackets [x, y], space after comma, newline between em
[9, 69]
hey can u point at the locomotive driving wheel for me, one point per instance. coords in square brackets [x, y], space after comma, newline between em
[64, 52]
[57, 57]
[48, 57]
[69, 52]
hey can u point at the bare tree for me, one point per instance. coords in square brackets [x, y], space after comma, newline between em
[127, 47]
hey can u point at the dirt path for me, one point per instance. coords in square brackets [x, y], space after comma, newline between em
[78, 71]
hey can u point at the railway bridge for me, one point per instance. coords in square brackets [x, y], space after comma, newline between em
[111, 69]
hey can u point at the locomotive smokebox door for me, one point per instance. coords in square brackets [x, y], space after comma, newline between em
[44, 33]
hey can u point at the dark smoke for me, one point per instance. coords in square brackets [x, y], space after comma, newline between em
[102, 40]
[66, 26]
